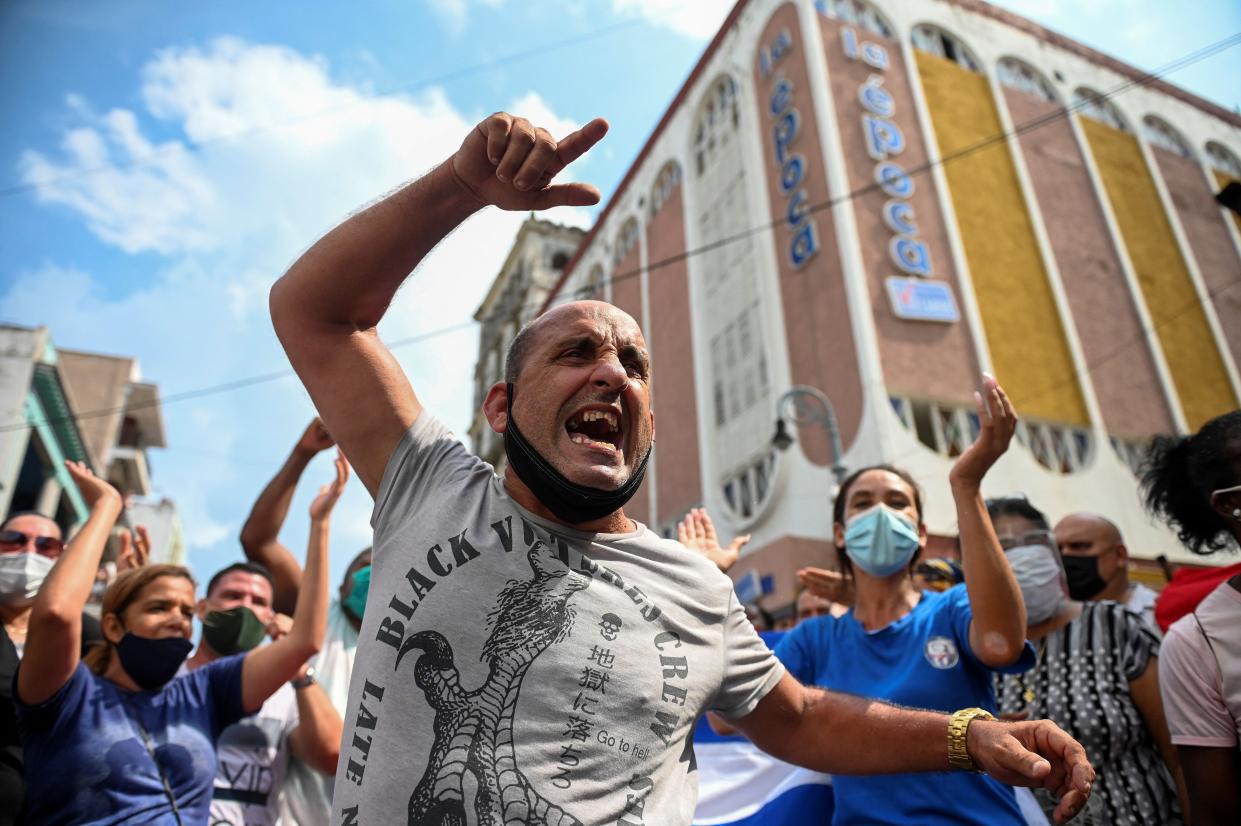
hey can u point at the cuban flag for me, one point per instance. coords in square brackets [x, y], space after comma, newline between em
[739, 785]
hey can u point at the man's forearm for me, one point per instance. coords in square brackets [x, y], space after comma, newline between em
[316, 740]
[845, 734]
[259, 533]
[350, 275]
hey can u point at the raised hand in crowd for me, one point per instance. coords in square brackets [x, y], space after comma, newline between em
[998, 630]
[135, 550]
[260, 533]
[697, 532]
[268, 667]
[53, 636]
[827, 584]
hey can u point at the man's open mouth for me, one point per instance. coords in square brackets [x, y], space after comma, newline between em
[600, 428]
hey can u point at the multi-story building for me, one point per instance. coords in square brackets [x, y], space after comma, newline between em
[533, 266]
[64, 404]
[882, 199]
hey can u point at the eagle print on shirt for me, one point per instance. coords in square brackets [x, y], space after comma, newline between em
[474, 729]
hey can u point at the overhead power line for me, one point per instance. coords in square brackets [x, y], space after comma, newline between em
[1035, 123]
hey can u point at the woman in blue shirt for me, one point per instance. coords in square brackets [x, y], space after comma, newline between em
[122, 741]
[920, 648]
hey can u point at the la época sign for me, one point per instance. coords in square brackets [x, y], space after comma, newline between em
[884, 140]
[791, 165]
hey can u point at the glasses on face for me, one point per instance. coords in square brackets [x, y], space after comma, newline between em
[11, 541]
[1215, 494]
[1030, 538]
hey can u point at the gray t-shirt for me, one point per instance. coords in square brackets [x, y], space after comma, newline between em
[512, 670]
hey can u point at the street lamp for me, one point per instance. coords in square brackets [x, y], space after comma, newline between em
[807, 405]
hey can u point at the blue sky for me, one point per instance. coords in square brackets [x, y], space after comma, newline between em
[259, 125]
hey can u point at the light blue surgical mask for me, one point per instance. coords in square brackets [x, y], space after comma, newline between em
[881, 540]
[355, 603]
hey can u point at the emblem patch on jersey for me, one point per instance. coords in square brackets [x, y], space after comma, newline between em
[941, 652]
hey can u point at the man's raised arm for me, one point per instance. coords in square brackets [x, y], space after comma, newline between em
[326, 307]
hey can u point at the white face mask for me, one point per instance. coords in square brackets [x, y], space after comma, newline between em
[22, 575]
[1041, 580]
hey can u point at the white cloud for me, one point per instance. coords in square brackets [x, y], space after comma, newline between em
[699, 19]
[226, 220]
[456, 13]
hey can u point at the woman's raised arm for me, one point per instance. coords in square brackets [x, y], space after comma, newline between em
[53, 638]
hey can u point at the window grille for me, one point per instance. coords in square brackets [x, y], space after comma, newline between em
[1159, 132]
[938, 42]
[857, 13]
[1091, 104]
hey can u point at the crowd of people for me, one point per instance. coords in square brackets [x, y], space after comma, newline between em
[515, 649]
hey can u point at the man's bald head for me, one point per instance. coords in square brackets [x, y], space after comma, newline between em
[519, 349]
[1093, 523]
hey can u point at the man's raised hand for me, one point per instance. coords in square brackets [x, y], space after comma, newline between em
[507, 161]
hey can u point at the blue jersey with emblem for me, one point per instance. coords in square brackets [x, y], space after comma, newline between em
[922, 660]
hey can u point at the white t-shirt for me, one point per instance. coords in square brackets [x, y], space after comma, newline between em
[1142, 602]
[513, 670]
[253, 757]
[1201, 680]
[307, 797]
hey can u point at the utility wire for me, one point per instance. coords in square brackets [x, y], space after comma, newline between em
[1063, 112]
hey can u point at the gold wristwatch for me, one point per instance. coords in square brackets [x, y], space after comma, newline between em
[958, 756]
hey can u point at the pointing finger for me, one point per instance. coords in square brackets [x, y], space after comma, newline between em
[573, 146]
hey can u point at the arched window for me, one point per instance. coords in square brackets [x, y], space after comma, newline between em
[718, 120]
[1158, 132]
[1023, 77]
[1090, 104]
[593, 288]
[666, 182]
[625, 241]
[1223, 160]
[936, 41]
[858, 13]
[559, 260]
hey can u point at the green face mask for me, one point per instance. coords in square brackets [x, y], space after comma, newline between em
[233, 631]
[355, 603]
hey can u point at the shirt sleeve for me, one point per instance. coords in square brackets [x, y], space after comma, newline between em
[1192, 688]
[796, 651]
[1138, 644]
[220, 682]
[427, 454]
[43, 717]
[750, 669]
[958, 604]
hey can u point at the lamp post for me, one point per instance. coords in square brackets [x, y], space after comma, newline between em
[806, 405]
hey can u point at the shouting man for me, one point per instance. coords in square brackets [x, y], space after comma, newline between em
[530, 654]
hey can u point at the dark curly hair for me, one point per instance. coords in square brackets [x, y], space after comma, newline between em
[1181, 471]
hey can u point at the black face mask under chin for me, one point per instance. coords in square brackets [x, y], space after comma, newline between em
[571, 502]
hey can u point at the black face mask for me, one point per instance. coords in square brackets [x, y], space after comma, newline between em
[571, 502]
[1083, 575]
[233, 631]
[152, 662]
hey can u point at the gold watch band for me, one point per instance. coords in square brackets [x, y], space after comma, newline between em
[958, 727]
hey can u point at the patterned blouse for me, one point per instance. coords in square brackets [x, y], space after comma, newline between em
[1081, 683]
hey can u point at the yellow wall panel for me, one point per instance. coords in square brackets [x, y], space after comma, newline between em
[1027, 342]
[1198, 371]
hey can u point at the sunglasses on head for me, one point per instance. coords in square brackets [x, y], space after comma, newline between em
[43, 544]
